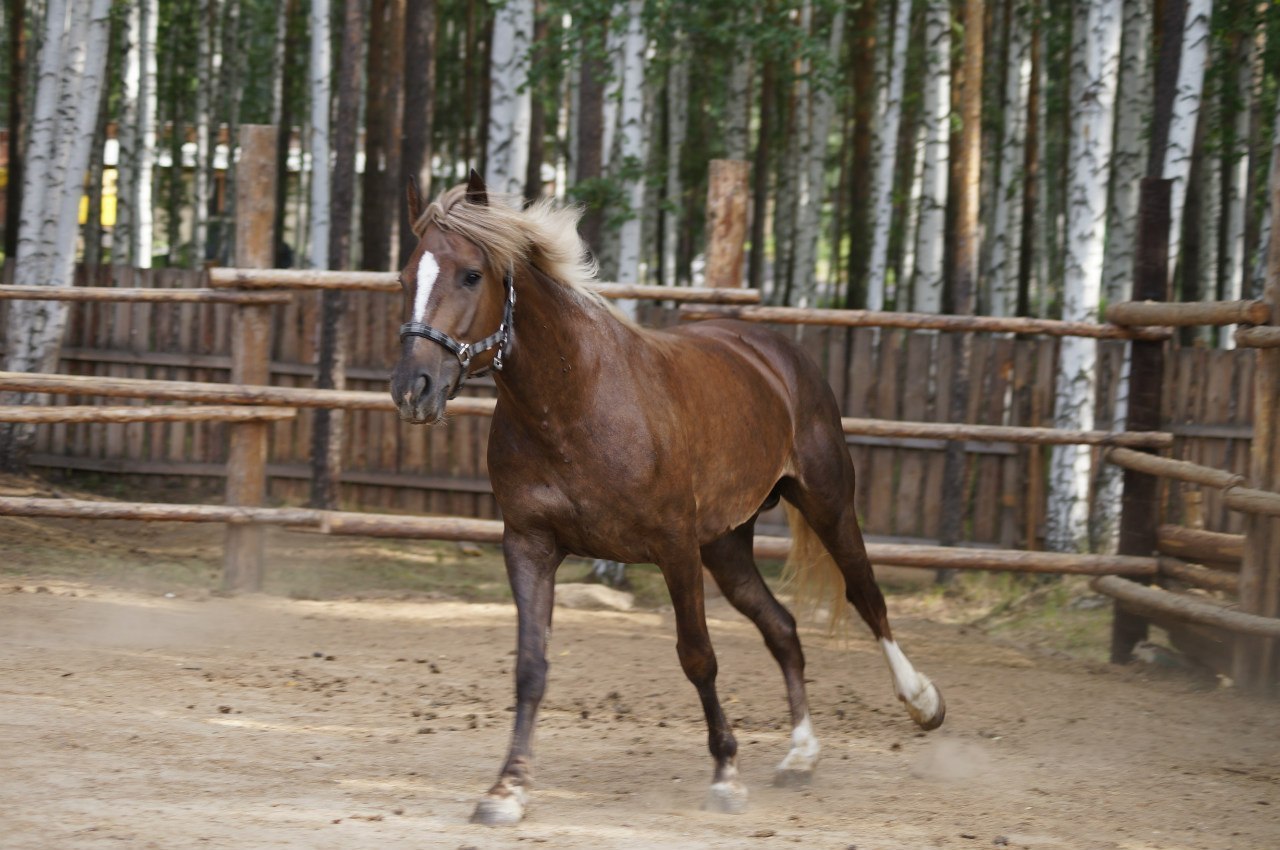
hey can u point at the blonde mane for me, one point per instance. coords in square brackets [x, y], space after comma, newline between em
[544, 235]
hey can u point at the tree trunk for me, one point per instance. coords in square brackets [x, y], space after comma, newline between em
[507, 148]
[419, 109]
[375, 209]
[17, 122]
[1128, 157]
[885, 156]
[1237, 173]
[760, 176]
[588, 169]
[71, 70]
[936, 124]
[737, 130]
[1006, 245]
[532, 180]
[122, 235]
[865, 82]
[633, 147]
[143, 207]
[1186, 114]
[1096, 62]
[321, 73]
[203, 171]
[677, 125]
[97, 157]
[288, 28]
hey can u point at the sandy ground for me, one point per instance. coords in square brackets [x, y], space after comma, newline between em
[135, 720]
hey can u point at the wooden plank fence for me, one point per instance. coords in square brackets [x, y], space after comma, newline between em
[898, 374]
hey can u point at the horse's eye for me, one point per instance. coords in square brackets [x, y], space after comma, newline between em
[472, 278]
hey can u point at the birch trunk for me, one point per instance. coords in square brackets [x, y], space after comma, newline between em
[507, 156]
[1094, 65]
[677, 125]
[200, 216]
[633, 147]
[72, 67]
[1237, 181]
[885, 156]
[1186, 114]
[936, 169]
[122, 239]
[143, 221]
[321, 74]
[738, 112]
[1006, 244]
[1129, 157]
[1258, 283]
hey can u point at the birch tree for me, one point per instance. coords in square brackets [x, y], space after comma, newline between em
[1006, 242]
[138, 137]
[321, 74]
[507, 156]
[885, 155]
[935, 171]
[207, 11]
[677, 124]
[71, 69]
[633, 145]
[1186, 114]
[738, 109]
[1234, 272]
[1129, 157]
[1095, 64]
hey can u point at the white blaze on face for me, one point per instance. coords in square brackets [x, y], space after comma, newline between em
[911, 686]
[428, 271]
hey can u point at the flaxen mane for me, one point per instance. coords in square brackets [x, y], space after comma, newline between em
[544, 235]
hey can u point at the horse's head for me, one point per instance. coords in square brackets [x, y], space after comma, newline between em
[453, 306]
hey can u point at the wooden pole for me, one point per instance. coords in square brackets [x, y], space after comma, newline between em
[1153, 601]
[1005, 433]
[1140, 502]
[1189, 313]
[1194, 544]
[109, 293]
[1182, 470]
[250, 354]
[167, 413]
[1254, 664]
[727, 195]
[919, 321]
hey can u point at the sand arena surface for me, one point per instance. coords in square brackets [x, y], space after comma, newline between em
[134, 720]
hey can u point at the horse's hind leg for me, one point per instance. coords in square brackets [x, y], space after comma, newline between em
[824, 497]
[731, 563]
[683, 574]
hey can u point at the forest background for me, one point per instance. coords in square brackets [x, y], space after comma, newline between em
[919, 155]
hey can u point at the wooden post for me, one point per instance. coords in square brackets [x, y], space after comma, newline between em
[250, 354]
[1254, 666]
[1140, 503]
[727, 196]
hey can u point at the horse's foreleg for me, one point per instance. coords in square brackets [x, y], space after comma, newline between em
[731, 561]
[531, 568]
[698, 658]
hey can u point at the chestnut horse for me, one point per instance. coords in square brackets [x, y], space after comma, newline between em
[641, 446]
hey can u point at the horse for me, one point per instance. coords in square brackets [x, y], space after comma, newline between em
[614, 441]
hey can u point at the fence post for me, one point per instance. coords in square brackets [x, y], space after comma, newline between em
[250, 353]
[727, 196]
[1140, 502]
[1254, 664]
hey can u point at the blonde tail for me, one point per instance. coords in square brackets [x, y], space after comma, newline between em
[811, 575]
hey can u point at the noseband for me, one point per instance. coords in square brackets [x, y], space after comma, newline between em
[465, 351]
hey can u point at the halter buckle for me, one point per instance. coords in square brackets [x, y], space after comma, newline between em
[464, 354]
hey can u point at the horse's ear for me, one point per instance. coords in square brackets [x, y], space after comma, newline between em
[413, 193]
[477, 192]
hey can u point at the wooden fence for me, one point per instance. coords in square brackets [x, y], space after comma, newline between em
[876, 373]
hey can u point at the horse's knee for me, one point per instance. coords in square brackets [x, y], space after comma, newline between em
[698, 660]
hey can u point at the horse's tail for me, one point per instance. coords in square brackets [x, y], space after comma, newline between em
[811, 574]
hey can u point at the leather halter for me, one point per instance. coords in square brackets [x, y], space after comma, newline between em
[465, 351]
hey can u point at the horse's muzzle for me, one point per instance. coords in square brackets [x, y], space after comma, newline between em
[418, 399]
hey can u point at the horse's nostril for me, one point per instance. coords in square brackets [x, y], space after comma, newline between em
[420, 388]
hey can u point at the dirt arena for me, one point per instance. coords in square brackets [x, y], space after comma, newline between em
[130, 719]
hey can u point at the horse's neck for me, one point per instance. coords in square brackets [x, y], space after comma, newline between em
[557, 333]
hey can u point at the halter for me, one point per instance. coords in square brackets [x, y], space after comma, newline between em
[465, 351]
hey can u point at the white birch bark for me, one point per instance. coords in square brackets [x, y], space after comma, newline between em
[633, 144]
[1209, 213]
[127, 139]
[935, 170]
[1234, 273]
[143, 207]
[1259, 276]
[200, 218]
[812, 189]
[1130, 154]
[321, 77]
[1095, 65]
[71, 69]
[507, 157]
[1186, 113]
[1006, 242]
[677, 118]
[885, 158]
[737, 113]
[912, 231]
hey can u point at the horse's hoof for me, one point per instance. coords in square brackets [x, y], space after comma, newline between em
[927, 708]
[499, 810]
[728, 798]
[790, 777]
